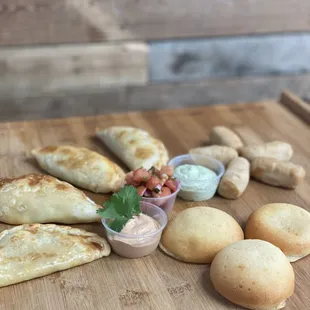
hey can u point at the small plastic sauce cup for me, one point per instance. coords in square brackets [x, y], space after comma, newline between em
[166, 203]
[135, 246]
[198, 190]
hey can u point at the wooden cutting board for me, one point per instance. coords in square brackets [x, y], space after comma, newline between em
[156, 281]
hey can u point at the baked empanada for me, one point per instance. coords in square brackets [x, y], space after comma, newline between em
[81, 167]
[135, 147]
[38, 198]
[36, 250]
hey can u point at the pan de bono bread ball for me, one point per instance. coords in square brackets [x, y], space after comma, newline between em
[197, 234]
[284, 225]
[254, 274]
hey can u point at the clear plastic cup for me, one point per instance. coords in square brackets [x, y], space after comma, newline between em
[166, 203]
[135, 246]
[198, 190]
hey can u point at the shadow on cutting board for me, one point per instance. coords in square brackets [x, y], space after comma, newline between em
[208, 287]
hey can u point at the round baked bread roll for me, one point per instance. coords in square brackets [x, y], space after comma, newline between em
[197, 234]
[254, 274]
[284, 225]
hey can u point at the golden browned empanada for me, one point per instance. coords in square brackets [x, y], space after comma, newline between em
[81, 167]
[135, 147]
[38, 198]
[35, 250]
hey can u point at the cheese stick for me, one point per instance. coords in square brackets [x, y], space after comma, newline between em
[275, 149]
[224, 136]
[235, 179]
[277, 173]
[222, 153]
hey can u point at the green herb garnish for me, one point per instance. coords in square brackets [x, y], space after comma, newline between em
[156, 190]
[121, 207]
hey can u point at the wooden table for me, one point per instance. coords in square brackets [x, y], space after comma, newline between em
[157, 281]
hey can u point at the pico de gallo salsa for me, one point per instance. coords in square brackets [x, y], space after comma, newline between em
[153, 182]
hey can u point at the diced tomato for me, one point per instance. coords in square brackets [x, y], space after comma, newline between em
[168, 170]
[141, 190]
[129, 177]
[152, 182]
[154, 171]
[165, 191]
[141, 175]
[157, 172]
[130, 181]
[172, 184]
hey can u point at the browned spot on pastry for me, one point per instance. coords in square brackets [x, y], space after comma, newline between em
[120, 134]
[48, 179]
[48, 149]
[88, 242]
[62, 187]
[32, 228]
[63, 150]
[35, 179]
[14, 239]
[144, 153]
[242, 267]
[66, 150]
[5, 181]
[37, 256]
[32, 257]
[78, 157]
[97, 246]
[31, 179]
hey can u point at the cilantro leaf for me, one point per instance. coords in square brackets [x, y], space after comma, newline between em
[125, 202]
[108, 212]
[121, 207]
[118, 225]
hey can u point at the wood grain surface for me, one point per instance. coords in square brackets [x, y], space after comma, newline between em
[80, 21]
[156, 281]
[296, 105]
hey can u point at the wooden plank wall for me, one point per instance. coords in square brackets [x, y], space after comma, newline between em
[36, 71]
[48, 70]
[84, 21]
[230, 57]
[151, 97]
[74, 57]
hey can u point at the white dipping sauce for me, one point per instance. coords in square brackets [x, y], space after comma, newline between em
[197, 182]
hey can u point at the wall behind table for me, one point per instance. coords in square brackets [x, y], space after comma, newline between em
[75, 57]
[85, 21]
